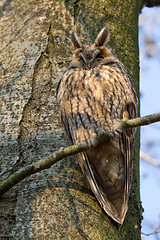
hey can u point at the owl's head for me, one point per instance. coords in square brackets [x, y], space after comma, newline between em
[91, 56]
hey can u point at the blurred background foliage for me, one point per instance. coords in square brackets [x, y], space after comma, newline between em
[149, 43]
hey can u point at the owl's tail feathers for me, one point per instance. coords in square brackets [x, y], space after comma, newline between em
[104, 167]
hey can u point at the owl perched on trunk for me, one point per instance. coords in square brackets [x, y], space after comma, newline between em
[94, 93]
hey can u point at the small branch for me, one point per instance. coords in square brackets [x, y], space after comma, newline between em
[149, 234]
[146, 234]
[47, 162]
[137, 122]
[40, 165]
[149, 159]
[117, 6]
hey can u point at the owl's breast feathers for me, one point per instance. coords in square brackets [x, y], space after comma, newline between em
[90, 102]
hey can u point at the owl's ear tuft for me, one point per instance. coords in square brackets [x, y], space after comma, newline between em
[102, 37]
[75, 41]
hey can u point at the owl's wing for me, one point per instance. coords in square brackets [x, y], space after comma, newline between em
[128, 144]
[108, 169]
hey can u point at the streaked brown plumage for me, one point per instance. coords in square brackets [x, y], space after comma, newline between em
[95, 92]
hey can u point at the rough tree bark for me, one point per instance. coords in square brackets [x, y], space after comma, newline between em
[35, 49]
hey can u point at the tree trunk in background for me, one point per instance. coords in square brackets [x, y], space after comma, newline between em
[35, 50]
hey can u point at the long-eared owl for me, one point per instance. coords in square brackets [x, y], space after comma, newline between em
[94, 93]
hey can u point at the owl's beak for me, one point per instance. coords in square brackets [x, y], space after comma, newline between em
[88, 65]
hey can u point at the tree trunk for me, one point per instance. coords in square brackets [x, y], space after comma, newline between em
[35, 50]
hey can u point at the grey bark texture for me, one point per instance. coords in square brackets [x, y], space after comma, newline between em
[35, 49]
